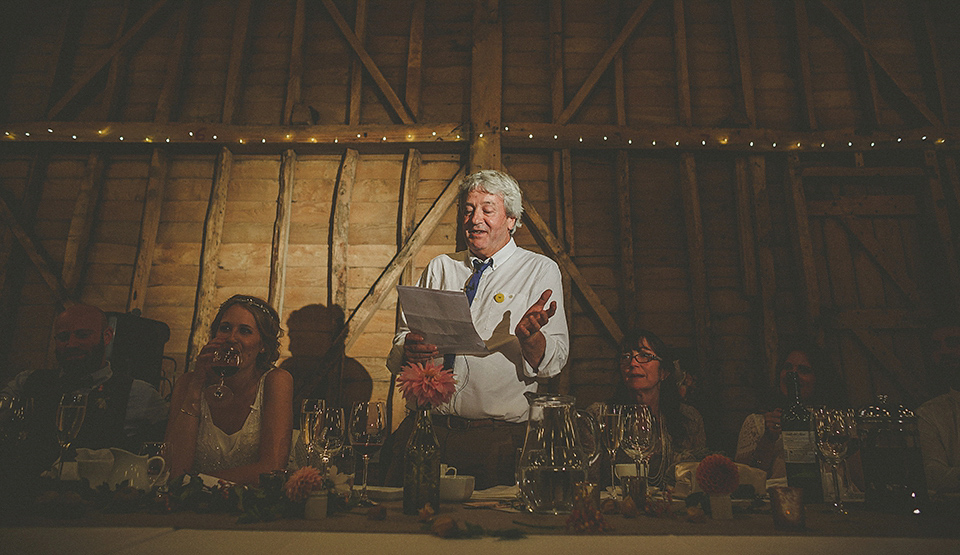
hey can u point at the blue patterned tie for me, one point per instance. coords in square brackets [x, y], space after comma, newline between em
[471, 291]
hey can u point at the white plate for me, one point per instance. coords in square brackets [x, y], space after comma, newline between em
[384, 493]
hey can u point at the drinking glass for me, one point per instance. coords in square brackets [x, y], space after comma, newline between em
[610, 430]
[367, 432]
[226, 362]
[330, 435]
[836, 434]
[640, 435]
[311, 420]
[70, 413]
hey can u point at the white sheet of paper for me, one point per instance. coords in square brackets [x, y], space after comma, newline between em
[442, 318]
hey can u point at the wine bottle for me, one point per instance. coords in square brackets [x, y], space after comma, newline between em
[799, 444]
[421, 474]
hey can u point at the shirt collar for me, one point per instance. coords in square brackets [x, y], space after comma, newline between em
[97, 378]
[498, 257]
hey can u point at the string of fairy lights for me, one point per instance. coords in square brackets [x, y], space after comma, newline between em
[621, 138]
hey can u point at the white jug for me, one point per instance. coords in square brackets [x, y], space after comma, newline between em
[133, 469]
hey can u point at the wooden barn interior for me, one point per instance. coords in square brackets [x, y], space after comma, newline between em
[730, 174]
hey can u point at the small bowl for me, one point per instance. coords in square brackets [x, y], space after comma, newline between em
[456, 488]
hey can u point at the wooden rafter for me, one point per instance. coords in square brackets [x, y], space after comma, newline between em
[176, 62]
[356, 66]
[935, 63]
[765, 264]
[486, 87]
[339, 234]
[415, 57]
[279, 246]
[81, 224]
[868, 47]
[604, 62]
[872, 93]
[105, 59]
[628, 282]
[241, 26]
[399, 109]
[695, 248]
[803, 247]
[149, 225]
[409, 186]
[803, 55]
[295, 72]
[116, 72]
[878, 253]
[66, 25]
[937, 204]
[683, 69]
[889, 361]
[742, 36]
[748, 258]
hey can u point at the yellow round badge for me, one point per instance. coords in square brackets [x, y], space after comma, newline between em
[498, 297]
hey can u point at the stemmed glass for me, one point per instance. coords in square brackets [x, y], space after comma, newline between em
[311, 420]
[70, 413]
[330, 435]
[610, 429]
[836, 434]
[226, 362]
[640, 435]
[367, 432]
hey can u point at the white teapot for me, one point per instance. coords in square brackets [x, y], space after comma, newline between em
[133, 469]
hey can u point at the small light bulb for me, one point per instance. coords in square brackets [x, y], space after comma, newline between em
[604, 137]
[358, 135]
[704, 143]
[751, 143]
[191, 133]
[336, 140]
[581, 139]
[873, 144]
[774, 145]
[924, 138]
[214, 137]
[554, 137]
[506, 128]
[264, 140]
[530, 135]
[481, 135]
[849, 144]
[49, 130]
[823, 145]
[168, 139]
[654, 143]
[74, 137]
[288, 136]
[27, 134]
[121, 137]
[677, 143]
[629, 141]
[384, 138]
[434, 133]
[899, 139]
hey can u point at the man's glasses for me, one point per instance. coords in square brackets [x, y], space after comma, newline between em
[641, 358]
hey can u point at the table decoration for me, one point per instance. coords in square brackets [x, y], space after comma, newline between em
[718, 477]
[427, 386]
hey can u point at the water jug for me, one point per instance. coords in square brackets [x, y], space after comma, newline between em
[133, 469]
[554, 457]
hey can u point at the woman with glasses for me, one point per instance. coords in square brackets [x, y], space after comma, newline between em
[760, 444]
[649, 376]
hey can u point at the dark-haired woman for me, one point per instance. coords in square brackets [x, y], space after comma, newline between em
[249, 433]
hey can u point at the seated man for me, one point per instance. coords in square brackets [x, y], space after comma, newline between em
[121, 411]
[938, 417]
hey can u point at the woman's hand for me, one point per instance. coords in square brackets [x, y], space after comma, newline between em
[772, 424]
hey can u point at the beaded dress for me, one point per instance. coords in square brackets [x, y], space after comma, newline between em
[217, 450]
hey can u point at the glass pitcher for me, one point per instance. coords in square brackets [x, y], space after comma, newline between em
[554, 457]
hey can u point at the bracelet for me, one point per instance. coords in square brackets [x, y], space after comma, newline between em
[184, 411]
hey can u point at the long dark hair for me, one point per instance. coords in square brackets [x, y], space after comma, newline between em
[828, 389]
[268, 324]
[670, 400]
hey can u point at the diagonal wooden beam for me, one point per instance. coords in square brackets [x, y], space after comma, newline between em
[356, 66]
[81, 224]
[176, 62]
[241, 25]
[150, 224]
[295, 71]
[935, 63]
[866, 45]
[368, 62]
[803, 56]
[876, 251]
[889, 361]
[105, 59]
[604, 62]
[415, 57]
[742, 35]
[39, 258]
[552, 245]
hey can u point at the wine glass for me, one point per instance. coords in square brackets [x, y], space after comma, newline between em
[311, 419]
[226, 362]
[367, 432]
[70, 413]
[836, 434]
[639, 435]
[609, 421]
[329, 436]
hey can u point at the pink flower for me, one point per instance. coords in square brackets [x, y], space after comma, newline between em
[718, 475]
[426, 384]
[304, 481]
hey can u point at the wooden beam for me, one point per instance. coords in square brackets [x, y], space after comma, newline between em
[37, 256]
[865, 205]
[695, 252]
[486, 90]
[803, 248]
[101, 62]
[368, 62]
[204, 307]
[549, 242]
[889, 361]
[935, 63]
[862, 171]
[356, 66]
[149, 225]
[748, 258]
[281, 230]
[867, 46]
[241, 25]
[81, 224]
[568, 225]
[67, 27]
[339, 234]
[604, 62]
[803, 57]
[742, 35]
[683, 70]
[938, 206]
[415, 58]
[628, 282]
[176, 62]
[556, 58]
[863, 233]
[409, 189]
[295, 73]
[881, 318]
[766, 267]
[872, 106]
[619, 94]
[116, 72]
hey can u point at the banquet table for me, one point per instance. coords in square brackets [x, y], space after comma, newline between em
[861, 531]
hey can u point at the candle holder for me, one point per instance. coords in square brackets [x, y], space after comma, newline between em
[786, 505]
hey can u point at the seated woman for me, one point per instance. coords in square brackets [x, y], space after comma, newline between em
[760, 444]
[247, 432]
[648, 377]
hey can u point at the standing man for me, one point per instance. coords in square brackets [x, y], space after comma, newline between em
[939, 418]
[516, 301]
[121, 411]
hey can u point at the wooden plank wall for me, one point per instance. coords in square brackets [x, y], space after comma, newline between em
[720, 256]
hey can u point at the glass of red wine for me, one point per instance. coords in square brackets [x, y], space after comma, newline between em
[367, 431]
[226, 362]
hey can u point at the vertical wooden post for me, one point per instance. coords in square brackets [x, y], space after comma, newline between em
[628, 282]
[149, 224]
[695, 252]
[937, 204]
[356, 66]
[803, 55]
[281, 230]
[205, 303]
[81, 225]
[486, 90]
[742, 36]
[295, 72]
[339, 242]
[768, 282]
[683, 70]
[803, 247]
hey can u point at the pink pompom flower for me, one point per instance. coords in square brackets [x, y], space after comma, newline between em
[718, 475]
[426, 384]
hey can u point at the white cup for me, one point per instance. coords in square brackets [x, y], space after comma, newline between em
[456, 488]
[447, 470]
